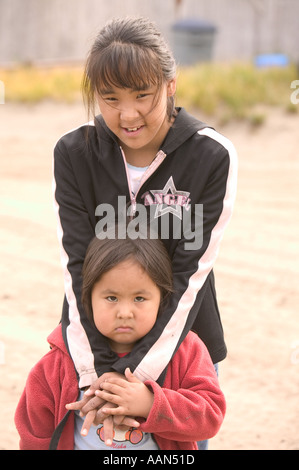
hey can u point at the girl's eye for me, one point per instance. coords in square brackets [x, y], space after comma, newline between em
[112, 298]
[139, 299]
[142, 95]
[110, 99]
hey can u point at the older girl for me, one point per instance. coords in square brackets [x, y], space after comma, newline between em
[141, 150]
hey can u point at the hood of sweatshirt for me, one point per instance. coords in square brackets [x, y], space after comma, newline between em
[55, 340]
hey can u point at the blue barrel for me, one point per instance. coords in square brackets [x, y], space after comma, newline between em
[271, 60]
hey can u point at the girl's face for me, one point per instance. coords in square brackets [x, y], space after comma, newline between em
[125, 303]
[137, 117]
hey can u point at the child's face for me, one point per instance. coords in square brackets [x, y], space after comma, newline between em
[125, 304]
[137, 117]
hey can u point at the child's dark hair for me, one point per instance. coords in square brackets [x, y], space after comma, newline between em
[103, 255]
[128, 53]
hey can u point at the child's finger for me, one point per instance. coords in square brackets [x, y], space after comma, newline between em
[97, 384]
[108, 430]
[127, 421]
[109, 396]
[92, 404]
[130, 377]
[77, 405]
[88, 422]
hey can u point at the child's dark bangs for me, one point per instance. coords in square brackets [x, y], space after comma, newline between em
[128, 66]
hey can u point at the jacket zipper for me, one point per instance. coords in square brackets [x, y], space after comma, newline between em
[160, 157]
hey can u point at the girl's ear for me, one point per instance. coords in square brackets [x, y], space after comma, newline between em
[171, 87]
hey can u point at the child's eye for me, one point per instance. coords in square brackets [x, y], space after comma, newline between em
[110, 99]
[142, 95]
[139, 299]
[111, 298]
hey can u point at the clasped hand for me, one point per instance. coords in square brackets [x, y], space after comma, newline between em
[115, 401]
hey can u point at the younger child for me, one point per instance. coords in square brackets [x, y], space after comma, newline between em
[126, 283]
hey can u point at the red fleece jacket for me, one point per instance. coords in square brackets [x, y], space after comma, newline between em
[189, 407]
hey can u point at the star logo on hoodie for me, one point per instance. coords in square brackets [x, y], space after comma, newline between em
[168, 200]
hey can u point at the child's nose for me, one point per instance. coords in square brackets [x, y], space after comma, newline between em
[125, 311]
[129, 114]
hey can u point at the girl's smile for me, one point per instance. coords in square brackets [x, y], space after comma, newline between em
[133, 131]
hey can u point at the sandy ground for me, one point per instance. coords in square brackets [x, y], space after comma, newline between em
[257, 272]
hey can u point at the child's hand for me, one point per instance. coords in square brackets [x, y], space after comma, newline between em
[96, 384]
[90, 402]
[131, 396]
[85, 405]
[91, 407]
[97, 417]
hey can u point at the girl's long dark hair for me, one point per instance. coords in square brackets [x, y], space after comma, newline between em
[128, 53]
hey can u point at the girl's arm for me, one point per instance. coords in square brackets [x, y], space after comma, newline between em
[74, 203]
[192, 268]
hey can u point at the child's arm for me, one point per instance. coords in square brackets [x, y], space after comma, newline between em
[191, 405]
[193, 414]
[34, 416]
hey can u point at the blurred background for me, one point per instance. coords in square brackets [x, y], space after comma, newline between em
[238, 71]
[34, 31]
[232, 54]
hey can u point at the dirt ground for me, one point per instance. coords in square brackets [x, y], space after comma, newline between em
[256, 272]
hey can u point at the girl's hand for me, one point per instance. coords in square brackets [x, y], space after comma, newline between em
[90, 402]
[108, 430]
[90, 406]
[96, 417]
[130, 395]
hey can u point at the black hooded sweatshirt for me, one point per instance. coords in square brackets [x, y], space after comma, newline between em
[188, 193]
